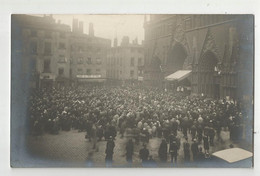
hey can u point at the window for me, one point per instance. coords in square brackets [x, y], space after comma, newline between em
[61, 71]
[46, 66]
[33, 47]
[47, 48]
[132, 61]
[62, 59]
[34, 33]
[132, 73]
[88, 71]
[98, 70]
[79, 70]
[98, 61]
[89, 60]
[62, 46]
[80, 60]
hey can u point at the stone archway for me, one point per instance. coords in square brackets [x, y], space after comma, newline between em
[207, 83]
[176, 58]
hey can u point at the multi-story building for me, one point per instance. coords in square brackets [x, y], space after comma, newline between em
[88, 54]
[217, 48]
[43, 49]
[125, 62]
[49, 53]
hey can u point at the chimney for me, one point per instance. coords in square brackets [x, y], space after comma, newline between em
[125, 41]
[75, 25]
[91, 30]
[81, 27]
[115, 42]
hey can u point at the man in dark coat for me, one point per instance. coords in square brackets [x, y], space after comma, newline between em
[163, 151]
[173, 150]
[211, 135]
[129, 151]
[195, 150]
[144, 154]
[193, 131]
[206, 144]
[110, 150]
[186, 149]
[199, 132]
[201, 155]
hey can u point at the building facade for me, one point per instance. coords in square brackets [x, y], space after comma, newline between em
[43, 48]
[88, 54]
[217, 48]
[124, 62]
[51, 53]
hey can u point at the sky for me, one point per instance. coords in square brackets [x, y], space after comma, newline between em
[109, 26]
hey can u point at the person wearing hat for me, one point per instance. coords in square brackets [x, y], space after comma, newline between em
[129, 151]
[173, 149]
[195, 149]
[186, 149]
[206, 144]
[201, 155]
[144, 154]
[193, 131]
[109, 150]
[211, 135]
[163, 151]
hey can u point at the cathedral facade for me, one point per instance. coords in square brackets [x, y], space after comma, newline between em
[219, 49]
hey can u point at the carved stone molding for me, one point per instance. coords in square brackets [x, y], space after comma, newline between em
[180, 38]
[210, 45]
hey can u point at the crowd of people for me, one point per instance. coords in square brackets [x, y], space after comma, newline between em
[137, 113]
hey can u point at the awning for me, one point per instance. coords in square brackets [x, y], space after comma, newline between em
[178, 75]
[233, 154]
[140, 78]
[91, 80]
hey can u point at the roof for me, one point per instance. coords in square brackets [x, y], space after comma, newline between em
[178, 75]
[233, 154]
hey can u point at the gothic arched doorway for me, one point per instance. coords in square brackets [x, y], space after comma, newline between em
[176, 58]
[207, 82]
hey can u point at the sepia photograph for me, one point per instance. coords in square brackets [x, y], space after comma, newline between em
[132, 90]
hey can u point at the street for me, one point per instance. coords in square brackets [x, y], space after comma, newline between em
[73, 147]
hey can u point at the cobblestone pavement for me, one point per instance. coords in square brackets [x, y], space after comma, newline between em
[73, 147]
